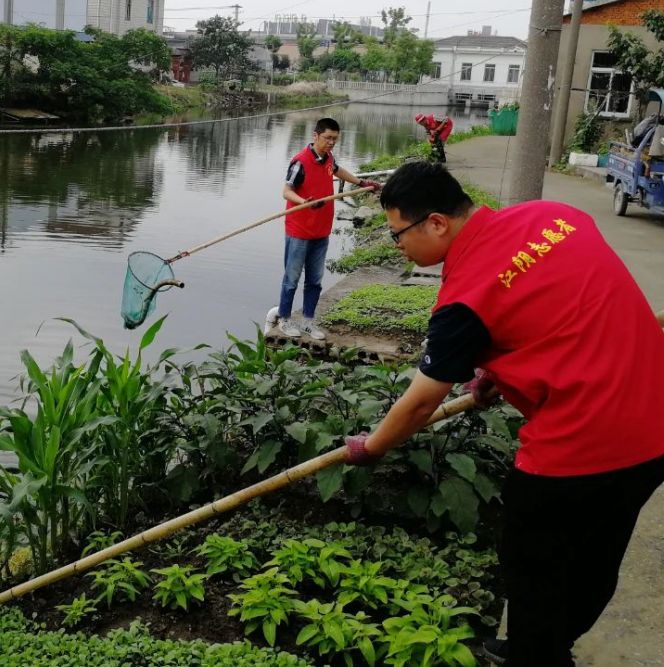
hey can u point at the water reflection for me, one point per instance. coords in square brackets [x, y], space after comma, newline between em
[86, 185]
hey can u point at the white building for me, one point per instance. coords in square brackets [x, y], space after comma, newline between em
[114, 16]
[480, 67]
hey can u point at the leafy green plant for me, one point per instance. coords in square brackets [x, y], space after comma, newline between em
[79, 609]
[224, 554]
[119, 580]
[385, 308]
[426, 636]
[99, 540]
[331, 630]
[23, 642]
[179, 587]
[362, 581]
[266, 603]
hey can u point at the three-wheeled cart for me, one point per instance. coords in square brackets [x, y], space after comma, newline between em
[637, 171]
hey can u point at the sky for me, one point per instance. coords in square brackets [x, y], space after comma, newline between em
[507, 18]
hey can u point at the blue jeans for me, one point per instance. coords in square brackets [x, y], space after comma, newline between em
[307, 254]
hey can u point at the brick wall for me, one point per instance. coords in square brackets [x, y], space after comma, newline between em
[625, 12]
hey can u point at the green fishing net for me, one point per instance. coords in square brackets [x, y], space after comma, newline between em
[146, 275]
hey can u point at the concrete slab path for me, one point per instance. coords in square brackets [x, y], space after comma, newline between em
[631, 630]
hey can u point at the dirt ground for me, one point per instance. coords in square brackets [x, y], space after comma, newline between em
[631, 631]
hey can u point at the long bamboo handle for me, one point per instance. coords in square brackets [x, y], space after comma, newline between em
[274, 216]
[336, 456]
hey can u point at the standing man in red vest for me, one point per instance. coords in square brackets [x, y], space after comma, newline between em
[533, 295]
[308, 231]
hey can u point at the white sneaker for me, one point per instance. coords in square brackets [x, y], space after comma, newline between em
[271, 319]
[288, 328]
[310, 328]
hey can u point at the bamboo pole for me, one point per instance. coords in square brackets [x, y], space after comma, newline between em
[336, 456]
[262, 221]
[660, 317]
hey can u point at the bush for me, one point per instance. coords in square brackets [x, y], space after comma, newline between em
[24, 643]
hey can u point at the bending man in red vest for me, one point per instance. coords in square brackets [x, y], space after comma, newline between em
[533, 295]
[309, 177]
[438, 130]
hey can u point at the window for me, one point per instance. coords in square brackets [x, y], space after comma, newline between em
[608, 88]
[463, 97]
[513, 73]
[436, 71]
[486, 98]
[150, 11]
[466, 71]
[489, 72]
[128, 10]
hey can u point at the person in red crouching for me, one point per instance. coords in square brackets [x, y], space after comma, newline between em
[438, 130]
[533, 295]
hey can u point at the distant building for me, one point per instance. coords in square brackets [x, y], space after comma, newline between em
[114, 16]
[480, 67]
[596, 82]
[285, 27]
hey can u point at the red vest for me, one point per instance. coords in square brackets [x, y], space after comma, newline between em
[433, 123]
[575, 345]
[312, 223]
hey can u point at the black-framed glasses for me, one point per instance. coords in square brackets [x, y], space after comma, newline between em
[395, 235]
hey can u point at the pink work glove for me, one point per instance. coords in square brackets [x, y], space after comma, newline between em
[481, 387]
[356, 452]
[318, 204]
[370, 184]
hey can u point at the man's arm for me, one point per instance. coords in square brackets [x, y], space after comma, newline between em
[292, 196]
[409, 414]
[345, 175]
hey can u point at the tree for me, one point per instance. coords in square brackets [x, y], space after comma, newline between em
[273, 44]
[221, 46]
[307, 41]
[87, 81]
[395, 22]
[375, 58]
[410, 57]
[345, 36]
[644, 66]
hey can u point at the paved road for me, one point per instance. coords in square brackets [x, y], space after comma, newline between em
[631, 630]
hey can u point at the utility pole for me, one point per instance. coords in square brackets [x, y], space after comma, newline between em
[426, 23]
[562, 103]
[60, 15]
[237, 9]
[529, 159]
[8, 17]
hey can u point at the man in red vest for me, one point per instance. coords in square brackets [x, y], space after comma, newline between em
[533, 295]
[438, 130]
[309, 177]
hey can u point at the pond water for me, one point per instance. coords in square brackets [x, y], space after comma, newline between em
[73, 206]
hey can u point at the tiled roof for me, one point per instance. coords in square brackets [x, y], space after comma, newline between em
[482, 41]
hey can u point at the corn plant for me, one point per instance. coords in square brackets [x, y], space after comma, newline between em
[129, 396]
[79, 609]
[55, 456]
[119, 580]
[179, 587]
[224, 554]
[266, 603]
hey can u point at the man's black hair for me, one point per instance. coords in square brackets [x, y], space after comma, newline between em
[326, 124]
[419, 188]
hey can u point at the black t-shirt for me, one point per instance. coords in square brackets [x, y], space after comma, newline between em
[455, 341]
